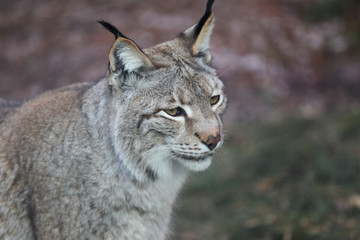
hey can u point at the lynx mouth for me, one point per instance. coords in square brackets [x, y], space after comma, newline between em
[194, 158]
[194, 162]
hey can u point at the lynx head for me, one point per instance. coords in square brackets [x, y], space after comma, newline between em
[167, 102]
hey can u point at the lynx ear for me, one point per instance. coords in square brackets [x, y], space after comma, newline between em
[199, 34]
[126, 59]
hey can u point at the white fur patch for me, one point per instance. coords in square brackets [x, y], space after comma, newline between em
[131, 59]
[187, 110]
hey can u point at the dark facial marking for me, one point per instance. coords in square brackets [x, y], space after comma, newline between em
[151, 174]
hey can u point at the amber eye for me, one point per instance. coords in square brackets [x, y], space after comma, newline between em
[175, 112]
[214, 99]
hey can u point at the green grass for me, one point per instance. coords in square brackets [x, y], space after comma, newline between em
[293, 179]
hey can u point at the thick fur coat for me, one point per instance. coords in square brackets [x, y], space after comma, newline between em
[106, 160]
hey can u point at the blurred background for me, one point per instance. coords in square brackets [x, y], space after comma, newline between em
[290, 166]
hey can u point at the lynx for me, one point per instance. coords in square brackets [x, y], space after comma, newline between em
[106, 160]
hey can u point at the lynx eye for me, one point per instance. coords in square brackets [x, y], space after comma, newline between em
[175, 112]
[214, 99]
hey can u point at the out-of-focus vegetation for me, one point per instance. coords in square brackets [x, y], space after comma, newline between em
[346, 10]
[290, 179]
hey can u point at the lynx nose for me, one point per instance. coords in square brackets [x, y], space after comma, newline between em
[212, 141]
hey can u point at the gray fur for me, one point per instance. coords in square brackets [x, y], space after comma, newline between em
[104, 160]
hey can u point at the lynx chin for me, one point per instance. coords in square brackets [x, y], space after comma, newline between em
[105, 160]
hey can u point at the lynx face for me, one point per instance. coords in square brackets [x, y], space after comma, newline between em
[182, 118]
[175, 112]
[172, 98]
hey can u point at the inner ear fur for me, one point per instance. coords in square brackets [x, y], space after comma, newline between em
[126, 56]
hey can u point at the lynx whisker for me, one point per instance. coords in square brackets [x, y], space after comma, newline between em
[226, 70]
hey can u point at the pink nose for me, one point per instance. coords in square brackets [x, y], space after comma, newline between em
[212, 141]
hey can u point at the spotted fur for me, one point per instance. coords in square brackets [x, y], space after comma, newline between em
[106, 160]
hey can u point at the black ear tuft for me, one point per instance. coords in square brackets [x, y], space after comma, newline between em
[112, 29]
[205, 17]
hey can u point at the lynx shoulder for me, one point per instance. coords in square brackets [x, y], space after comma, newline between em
[105, 160]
